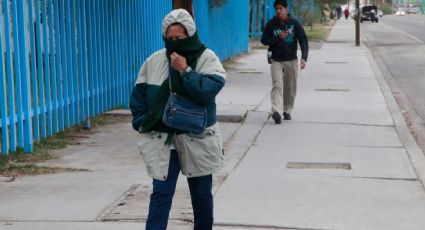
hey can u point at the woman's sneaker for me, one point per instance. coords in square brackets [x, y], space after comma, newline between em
[277, 118]
[287, 116]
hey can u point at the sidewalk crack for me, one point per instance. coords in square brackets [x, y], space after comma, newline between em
[382, 178]
[343, 123]
[249, 226]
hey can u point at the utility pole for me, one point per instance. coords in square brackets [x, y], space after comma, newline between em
[423, 7]
[357, 22]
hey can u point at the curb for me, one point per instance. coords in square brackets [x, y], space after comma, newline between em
[231, 118]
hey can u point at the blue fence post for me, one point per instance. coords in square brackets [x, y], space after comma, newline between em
[147, 24]
[133, 50]
[46, 66]
[100, 40]
[84, 90]
[40, 78]
[33, 75]
[114, 40]
[143, 35]
[91, 56]
[127, 54]
[93, 60]
[121, 53]
[69, 65]
[96, 56]
[75, 81]
[254, 17]
[108, 53]
[138, 38]
[108, 64]
[202, 17]
[65, 62]
[10, 78]
[259, 16]
[100, 76]
[90, 60]
[271, 9]
[266, 11]
[54, 60]
[25, 76]
[59, 67]
[3, 103]
[18, 79]
[78, 61]
[124, 51]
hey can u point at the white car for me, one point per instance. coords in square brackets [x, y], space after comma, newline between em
[400, 12]
[414, 10]
[380, 13]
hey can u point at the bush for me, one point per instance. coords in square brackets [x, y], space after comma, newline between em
[387, 9]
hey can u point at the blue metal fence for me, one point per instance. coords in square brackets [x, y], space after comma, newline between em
[263, 10]
[260, 11]
[64, 61]
[223, 29]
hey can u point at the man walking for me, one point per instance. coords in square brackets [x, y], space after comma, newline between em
[281, 34]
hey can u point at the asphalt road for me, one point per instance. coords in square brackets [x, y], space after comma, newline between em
[399, 42]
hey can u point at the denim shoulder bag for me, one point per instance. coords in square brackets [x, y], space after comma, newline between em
[183, 114]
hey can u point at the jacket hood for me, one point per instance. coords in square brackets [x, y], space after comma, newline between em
[179, 16]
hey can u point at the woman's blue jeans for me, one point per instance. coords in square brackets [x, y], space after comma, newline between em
[162, 197]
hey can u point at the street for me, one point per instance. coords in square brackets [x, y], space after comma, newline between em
[398, 43]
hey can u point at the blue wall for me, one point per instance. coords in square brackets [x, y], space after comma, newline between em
[65, 61]
[223, 29]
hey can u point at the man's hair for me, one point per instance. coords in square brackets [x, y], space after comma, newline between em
[283, 3]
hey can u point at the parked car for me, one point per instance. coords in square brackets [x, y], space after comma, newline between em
[369, 13]
[400, 12]
[414, 10]
[380, 13]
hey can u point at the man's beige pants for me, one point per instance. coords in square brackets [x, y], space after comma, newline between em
[284, 79]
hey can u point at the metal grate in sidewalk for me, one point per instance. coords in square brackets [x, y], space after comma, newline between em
[312, 165]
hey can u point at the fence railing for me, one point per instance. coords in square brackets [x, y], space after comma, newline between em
[224, 29]
[63, 61]
[261, 11]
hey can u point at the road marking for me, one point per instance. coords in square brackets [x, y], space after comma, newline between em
[405, 33]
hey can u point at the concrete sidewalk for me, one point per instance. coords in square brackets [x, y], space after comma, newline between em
[345, 161]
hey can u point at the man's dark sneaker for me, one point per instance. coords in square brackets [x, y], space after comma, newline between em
[287, 116]
[277, 118]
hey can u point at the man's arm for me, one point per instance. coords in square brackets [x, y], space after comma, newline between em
[302, 39]
[268, 38]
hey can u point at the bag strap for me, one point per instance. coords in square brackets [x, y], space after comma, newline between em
[170, 85]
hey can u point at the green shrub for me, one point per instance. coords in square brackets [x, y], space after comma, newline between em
[387, 9]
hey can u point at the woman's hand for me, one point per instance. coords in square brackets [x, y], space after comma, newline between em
[178, 62]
